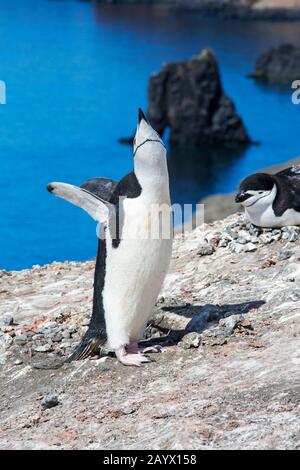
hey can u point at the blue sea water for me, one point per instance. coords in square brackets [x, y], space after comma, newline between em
[76, 73]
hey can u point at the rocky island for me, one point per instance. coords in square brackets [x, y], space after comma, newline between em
[278, 66]
[228, 376]
[188, 98]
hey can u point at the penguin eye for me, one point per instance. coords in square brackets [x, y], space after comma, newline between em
[260, 192]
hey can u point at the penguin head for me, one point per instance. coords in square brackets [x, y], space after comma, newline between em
[256, 191]
[149, 150]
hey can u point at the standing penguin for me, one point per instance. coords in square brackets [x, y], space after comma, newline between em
[271, 200]
[134, 250]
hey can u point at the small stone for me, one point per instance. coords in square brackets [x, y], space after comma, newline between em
[7, 319]
[190, 340]
[250, 247]
[128, 410]
[266, 238]
[230, 324]
[236, 247]
[18, 362]
[232, 231]
[291, 234]
[50, 400]
[246, 324]
[276, 235]
[37, 337]
[243, 237]
[43, 349]
[295, 296]
[225, 240]
[253, 230]
[66, 335]
[282, 255]
[72, 329]
[57, 338]
[5, 340]
[205, 249]
[241, 241]
[21, 339]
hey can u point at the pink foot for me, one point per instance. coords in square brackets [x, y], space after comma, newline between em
[129, 358]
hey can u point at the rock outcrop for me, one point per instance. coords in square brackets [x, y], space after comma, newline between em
[188, 98]
[278, 66]
[228, 376]
[239, 9]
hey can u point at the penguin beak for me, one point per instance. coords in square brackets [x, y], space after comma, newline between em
[241, 197]
[141, 116]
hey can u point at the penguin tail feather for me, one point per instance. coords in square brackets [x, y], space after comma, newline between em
[86, 348]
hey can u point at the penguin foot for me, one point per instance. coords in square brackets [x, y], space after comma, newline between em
[129, 358]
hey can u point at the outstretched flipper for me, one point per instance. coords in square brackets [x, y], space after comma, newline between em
[96, 207]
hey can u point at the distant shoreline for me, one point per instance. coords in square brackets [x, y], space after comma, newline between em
[272, 10]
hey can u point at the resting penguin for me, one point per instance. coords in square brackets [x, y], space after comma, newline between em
[271, 200]
[133, 253]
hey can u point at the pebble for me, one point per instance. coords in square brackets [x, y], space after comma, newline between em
[21, 339]
[284, 254]
[190, 340]
[18, 362]
[5, 340]
[128, 410]
[43, 349]
[290, 234]
[50, 400]
[57, 338]
[7, 319]
[205, 249]
[250, 247]
[225, 240]
[266, 238]
[229, 324]
[236, 247]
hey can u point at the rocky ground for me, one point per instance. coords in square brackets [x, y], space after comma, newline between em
[228, 376]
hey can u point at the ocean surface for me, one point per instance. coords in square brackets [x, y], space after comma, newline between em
[76, 73]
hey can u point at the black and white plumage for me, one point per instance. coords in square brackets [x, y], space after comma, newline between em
[272, 200]
[131, 264]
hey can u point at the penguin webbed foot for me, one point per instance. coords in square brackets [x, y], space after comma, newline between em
[128, 356]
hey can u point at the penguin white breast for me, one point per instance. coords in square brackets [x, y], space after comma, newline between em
[267, 218]
[135, 271]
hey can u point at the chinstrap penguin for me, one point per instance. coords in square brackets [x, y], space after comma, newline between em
[271, 200]
[131, 264]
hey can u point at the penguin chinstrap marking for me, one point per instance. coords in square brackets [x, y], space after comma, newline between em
[136, 239]
[271, 200]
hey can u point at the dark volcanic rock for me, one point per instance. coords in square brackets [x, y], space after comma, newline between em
[279, 65]
[188, 98]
